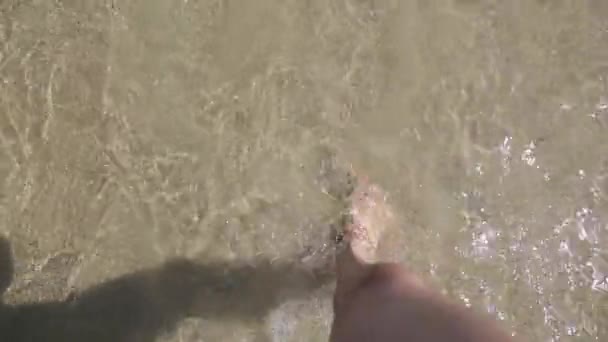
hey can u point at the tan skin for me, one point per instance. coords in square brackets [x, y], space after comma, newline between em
[384, 302]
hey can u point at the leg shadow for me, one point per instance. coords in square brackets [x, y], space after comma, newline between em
[140, 306]
[6, 265]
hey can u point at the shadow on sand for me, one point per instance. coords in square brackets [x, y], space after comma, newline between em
[138, 307]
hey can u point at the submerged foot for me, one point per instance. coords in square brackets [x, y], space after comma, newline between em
[368, 217]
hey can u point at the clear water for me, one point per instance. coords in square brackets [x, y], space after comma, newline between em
[134, 132]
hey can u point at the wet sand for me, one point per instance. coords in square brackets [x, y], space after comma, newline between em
[136, 133]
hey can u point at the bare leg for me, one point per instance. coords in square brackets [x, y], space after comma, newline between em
[383, 301]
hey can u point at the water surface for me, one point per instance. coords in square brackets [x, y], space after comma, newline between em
[134, 132]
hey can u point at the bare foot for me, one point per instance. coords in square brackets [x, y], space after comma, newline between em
[369, 215]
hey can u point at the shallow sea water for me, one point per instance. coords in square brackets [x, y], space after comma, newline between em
[136, 132]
